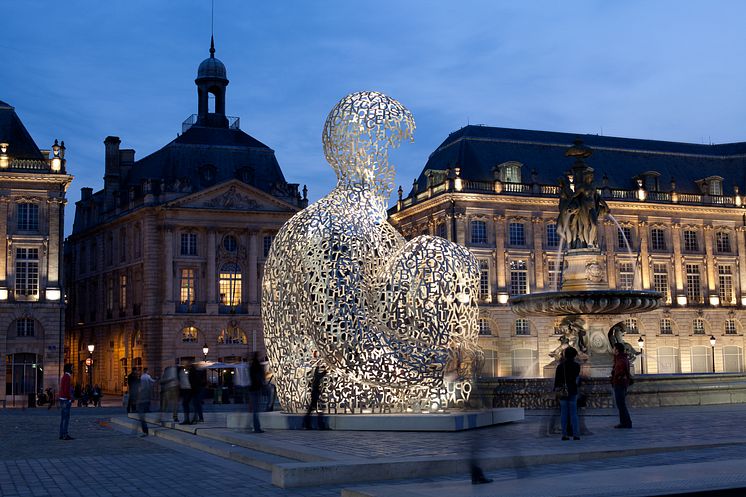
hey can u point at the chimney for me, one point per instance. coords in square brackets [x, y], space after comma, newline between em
[111, 174]
[85, 193]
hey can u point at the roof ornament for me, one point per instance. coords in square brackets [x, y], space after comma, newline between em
[212, 47]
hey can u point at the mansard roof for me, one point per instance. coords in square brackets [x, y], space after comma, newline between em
[14, 133]
[476, 150]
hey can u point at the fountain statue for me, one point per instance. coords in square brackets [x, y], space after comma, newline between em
[584, 291]
[393, 322]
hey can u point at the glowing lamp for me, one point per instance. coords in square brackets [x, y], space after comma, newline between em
[713, 340]
[681, 300]
[3, 294]
[56, 164]
[714, 300]
[641, 343]
[53, 294]
[91, 348]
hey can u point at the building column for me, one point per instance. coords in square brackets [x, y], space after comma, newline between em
[253, 267]
[211, 282]
[169, 265]
[677, 261]
[5, 252]
[642, 231]
[611, 234]
[500, 255]
[710, 262]
[537, 227]
[741, 247]
[461, 226]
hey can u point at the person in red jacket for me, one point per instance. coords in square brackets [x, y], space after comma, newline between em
[66, 401]
[620, 377]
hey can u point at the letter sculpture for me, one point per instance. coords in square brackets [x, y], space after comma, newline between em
[388, 319]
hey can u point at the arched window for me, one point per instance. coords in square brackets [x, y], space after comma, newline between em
[189, 334]
[732, 359]
[24, 374]
[701, 359]
[230, 284]
[668, 360]
[232, 336]
[525, 363]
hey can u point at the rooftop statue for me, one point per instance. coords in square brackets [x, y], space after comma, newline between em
[393, 322]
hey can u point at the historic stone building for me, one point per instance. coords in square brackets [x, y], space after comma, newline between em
[168, 257]
[33, 183]
[678, 227]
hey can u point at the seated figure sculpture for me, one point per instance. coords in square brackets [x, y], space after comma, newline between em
[388, 319]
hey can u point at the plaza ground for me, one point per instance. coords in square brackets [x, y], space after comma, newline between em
[669, 451]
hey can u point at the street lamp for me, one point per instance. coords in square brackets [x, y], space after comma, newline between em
[205, 350]
[641, 344]
[89, 363]
[713, 341]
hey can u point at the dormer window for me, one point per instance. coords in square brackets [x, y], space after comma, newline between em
[207, 174]
[650, 180]
[712, 185]
[509, 172]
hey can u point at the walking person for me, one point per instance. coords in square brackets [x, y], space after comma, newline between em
[256, 385]
[132, 381]
[620, 381]
[144, 392]
[318, 377]
[66, 401]
[170, 392]
[185, 392]
[197, 381]
[566, 382]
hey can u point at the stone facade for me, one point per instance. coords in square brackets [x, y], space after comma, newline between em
[168, 257]
[33, 183]
[686, 239]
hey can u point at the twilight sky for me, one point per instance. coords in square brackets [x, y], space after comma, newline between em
[82, 70]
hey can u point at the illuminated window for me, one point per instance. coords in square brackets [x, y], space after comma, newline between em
[693, 287]
[232, 336]
[122, 291]
[518, 277]
[27, 272]
[189, 334]
[510, 173]
[188, 244]
[522, 327]
[484, 279]
[553, 239]
[186, 287]
[230, 284]
[657, 239]
[28, 217]
[553, 275]
[478, 232]
[690, 241]
[725, 285]
[665, 324]
[722, 242]
[626, 276]
[715, 186]
[698, 326]
[25, 327]
[109, 294]
[516, 234]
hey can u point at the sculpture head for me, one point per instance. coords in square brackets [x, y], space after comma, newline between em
[358, 134]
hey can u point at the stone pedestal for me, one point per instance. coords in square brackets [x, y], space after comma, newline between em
[584, 269]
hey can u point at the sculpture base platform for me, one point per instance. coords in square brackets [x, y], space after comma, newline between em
[585, 269]
[449, 421]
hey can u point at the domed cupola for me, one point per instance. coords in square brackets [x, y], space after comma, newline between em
[211, 78]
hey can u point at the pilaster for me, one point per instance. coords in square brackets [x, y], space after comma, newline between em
[677, 260]
[643, 229]
[211, 280]
[710, 266]
[537, 227]
[500, 254]
[253, 267]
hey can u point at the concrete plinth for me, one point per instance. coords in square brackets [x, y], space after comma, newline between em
[450, 421]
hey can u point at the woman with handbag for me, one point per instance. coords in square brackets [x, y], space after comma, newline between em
[621, 379]
[566, 387]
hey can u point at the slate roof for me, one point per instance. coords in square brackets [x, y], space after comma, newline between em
[477, 149]
[14, 133]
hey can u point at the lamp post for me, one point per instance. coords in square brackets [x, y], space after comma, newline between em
[89, 363]
[641, 344]
[205, 350]
[713, 341]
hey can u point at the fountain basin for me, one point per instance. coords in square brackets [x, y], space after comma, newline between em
[576, 302]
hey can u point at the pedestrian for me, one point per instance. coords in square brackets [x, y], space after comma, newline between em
[132, 381]
[185, 392]
[144, 392]
[78, 394]
[566, 382]
[170, 392]
[66, 401]
[96, 395]
[620, 381]
[318, 377]
[256, 385]
[198, 381]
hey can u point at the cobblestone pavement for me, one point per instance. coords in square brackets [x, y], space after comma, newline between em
[103, 461]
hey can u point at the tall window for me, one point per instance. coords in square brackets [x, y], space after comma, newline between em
[518, 277]
[230, 244]
[626, 275]
[660, 280]
[267, 244]
[27, 271]
[441, 231]
[665, 325]
[484, 327]
[698, 326]
[516, 235]
[553, 239]
[522, 327]
[109, 249]
[94, 256]
[25, 327]
[122, 291]
[657, 239]
[722, 242]
[730, 327]
[188, 244]
[186, 287]
[631, 325]
[732, 359]
[478, 232]
[484, 279]
[28, 217]
[690, 241]
[122, 245]
[230, 284]
[715, 187]
[109, 294]
[624, 238]
[137, 241]
[668, 360]
[489, 369]
[693, 288]
[725, 288]
[82, 259]
[553, 274]
[701, 359]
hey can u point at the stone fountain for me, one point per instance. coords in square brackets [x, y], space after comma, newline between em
[584, 291]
